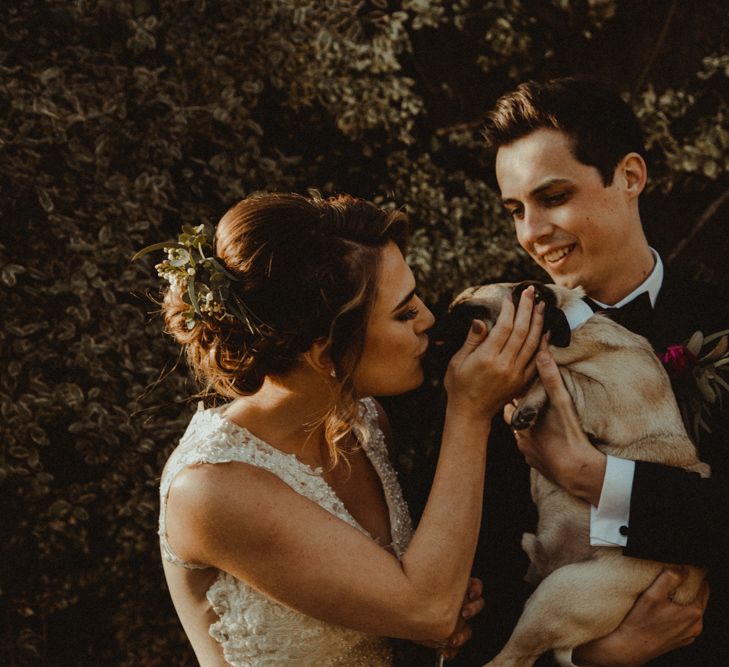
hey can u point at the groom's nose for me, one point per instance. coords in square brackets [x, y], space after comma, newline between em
[536, 225]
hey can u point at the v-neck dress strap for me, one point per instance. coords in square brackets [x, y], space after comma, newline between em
[253, 629]
[374, 445]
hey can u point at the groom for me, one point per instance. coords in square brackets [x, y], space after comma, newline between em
[569, 163]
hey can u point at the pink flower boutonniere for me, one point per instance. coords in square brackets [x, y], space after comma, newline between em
[678, 361]
[695, 369]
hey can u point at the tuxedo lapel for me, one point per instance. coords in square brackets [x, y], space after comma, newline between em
[682, 307]
[671, 314]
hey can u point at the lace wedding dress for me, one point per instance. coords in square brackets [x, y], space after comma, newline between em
[252, 629]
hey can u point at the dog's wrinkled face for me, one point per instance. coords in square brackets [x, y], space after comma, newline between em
[484, 302]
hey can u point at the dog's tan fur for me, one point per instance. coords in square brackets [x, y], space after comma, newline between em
[624, 401]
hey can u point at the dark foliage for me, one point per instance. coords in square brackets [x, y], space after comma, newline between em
[124, 119]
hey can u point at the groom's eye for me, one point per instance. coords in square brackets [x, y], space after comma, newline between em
[556, 199]
[516, 212]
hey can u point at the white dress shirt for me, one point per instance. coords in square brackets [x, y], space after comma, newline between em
[609, 521]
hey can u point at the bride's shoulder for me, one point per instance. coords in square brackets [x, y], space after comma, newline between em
[212, 486]
[205, 500]
[213, 454]
[373, 411]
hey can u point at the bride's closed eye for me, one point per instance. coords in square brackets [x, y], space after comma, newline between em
[408, 314]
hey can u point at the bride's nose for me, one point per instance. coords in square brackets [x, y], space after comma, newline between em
[427, 320]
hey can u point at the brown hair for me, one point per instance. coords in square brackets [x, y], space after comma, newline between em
[602, 127]
[307, 269]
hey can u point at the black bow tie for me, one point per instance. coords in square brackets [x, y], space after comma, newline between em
[635, 315]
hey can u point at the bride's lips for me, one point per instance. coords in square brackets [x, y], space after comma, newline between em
[421, 354]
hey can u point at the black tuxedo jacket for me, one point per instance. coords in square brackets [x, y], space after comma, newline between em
[674, 517]
[677, 516]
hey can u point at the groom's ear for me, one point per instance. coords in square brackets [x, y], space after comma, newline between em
[555, 321]
[632, 173]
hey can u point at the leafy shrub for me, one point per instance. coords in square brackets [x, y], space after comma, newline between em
[124, 119]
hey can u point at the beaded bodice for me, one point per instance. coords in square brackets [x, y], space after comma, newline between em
[251, 628]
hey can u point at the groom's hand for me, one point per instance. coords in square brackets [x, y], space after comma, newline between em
[557, 446]
[654, 626]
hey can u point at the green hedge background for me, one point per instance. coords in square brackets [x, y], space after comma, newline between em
[122, 119]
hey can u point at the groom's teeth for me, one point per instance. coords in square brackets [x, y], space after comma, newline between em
[557, 254]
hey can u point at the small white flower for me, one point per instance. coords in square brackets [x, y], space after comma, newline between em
[178, 256]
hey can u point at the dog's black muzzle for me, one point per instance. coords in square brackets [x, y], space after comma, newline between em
[555, 321]
[450, 332]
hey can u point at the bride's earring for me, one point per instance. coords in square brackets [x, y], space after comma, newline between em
[333, 373]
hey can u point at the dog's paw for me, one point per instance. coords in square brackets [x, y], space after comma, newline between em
[704, 469]
[524, 417]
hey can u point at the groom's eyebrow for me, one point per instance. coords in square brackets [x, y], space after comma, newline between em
[539, 189]
[407, 298]
[548, 184]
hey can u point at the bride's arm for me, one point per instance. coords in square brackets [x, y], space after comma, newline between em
[246, 521]
[473, 602]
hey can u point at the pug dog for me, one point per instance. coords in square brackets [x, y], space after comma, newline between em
[625, 403]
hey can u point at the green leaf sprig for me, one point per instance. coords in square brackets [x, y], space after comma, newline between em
[707, 373]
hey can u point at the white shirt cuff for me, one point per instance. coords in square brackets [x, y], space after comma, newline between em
[610, 519]
[563, 657]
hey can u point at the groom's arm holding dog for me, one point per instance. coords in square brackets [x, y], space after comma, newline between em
[675, 516]
[559, 449]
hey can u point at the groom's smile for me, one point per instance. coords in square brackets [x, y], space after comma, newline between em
[553, 257]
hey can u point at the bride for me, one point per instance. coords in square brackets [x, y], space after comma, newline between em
[284, 534]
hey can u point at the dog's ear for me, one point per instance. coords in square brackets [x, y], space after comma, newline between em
[555, 320]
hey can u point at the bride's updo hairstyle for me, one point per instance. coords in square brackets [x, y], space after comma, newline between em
[307, 269]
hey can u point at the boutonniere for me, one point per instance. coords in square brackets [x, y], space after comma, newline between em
[695, 369]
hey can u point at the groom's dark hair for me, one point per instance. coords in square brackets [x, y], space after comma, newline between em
[603, 128]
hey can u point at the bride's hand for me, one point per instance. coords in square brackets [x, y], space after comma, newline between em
[473, 603]
[493, 366]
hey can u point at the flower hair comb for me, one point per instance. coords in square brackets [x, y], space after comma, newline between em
[192, 269]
